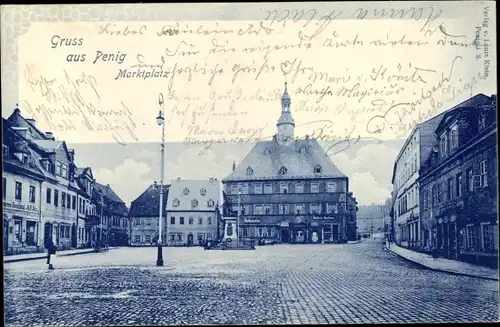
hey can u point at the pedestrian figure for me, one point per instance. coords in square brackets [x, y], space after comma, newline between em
[51, 250]
[435, 253]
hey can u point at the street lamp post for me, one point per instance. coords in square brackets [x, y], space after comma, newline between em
[101, 221]
[238, 219]
[160, 120]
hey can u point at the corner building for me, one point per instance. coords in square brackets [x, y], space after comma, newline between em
[288, 190]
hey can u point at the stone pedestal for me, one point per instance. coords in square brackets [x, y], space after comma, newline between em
[230, 231]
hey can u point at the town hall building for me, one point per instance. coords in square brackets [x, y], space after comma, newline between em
[288, 190]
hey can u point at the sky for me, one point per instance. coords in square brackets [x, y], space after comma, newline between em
[130, 169]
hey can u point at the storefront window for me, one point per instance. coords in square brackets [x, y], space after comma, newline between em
[17, 230]
[488, 238]
[30, 233]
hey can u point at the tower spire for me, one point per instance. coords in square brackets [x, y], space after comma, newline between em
[285, 123]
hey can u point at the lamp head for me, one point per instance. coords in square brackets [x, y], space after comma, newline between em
[160, 119]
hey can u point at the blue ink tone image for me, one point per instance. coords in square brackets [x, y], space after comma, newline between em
[287, 189]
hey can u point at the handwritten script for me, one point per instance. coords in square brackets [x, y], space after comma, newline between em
[352, 74]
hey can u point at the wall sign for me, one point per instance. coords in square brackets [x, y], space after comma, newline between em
[251, 220]
[20, 206]
[323, 217]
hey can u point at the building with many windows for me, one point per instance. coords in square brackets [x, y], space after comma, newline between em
[61, 196]
[458, 184]
[87, 213]
[415, 151]
[113, 215]
[59, 188]
[21, 194]
[144, 216]
[193, 211]
[289, 190]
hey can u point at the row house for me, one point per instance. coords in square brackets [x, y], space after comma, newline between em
[406, 207]
[459, 184]
[288, 190]
[21, 194]
[144, 216]
[192, 211]
[87, 211]
[61, 199]
[406, 211]
[112, 214]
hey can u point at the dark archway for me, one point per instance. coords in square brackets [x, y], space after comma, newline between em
[190, 239]
[285, 235]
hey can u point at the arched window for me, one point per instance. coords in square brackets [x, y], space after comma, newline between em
[249, 171]
[302, 150]
[186, 191]
[176, 202]
[210, 203]
[317, 169]
[283, 171]
[194, 203]
[203, 191]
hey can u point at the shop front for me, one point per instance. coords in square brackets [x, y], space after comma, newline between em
[21, 228]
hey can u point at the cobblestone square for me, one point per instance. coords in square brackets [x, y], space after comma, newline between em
[343, 283]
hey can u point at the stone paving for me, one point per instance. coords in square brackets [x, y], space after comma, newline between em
[343, 283]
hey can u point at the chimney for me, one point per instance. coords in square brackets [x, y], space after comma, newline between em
[234, 165]
[31, 121]
[211, 179]
[178, 179]
[50, 136]
[307, 136]
[107, 185]
[155, 184]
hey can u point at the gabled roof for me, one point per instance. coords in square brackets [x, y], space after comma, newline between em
[299, 157]
[212, 191]
[49, 145]
[148, 203]
[82, 171]
[12, 163]
[481, 102]
[107, 192]
[18, 120]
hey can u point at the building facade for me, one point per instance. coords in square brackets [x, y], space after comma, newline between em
[113, 214]
[59, 189]
[415, 151]
[192, 211]
[459, 183]
[21, 195]
[87, 213]
[288, 190]
[144, 216]
[57, 196]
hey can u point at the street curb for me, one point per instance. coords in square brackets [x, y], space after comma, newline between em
[440, 270]
[44, 256]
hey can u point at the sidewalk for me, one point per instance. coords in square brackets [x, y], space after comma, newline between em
[444, 265]
[43, 255]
